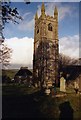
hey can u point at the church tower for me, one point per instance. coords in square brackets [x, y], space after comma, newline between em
[45, 60]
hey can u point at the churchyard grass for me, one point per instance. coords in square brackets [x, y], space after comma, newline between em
[20, 101]
[48, 106]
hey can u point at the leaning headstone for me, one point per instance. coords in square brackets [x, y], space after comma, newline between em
[62, 84]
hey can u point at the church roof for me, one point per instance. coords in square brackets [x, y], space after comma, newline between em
[24, 72]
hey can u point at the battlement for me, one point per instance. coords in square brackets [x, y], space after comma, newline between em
[44, 16]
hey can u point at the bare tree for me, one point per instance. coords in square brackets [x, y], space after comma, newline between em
[7, 14]
[5, 56]
[66, 60]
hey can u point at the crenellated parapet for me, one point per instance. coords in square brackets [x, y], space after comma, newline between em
[47, 19]
[44, 16]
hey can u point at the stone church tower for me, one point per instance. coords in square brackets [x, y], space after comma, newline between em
[45, 61]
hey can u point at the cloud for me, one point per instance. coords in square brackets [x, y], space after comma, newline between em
[22, 50]
[69, 46]
[64, 11]
[26, 14]
[27, 24]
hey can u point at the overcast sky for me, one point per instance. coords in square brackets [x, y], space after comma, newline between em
[21, 37]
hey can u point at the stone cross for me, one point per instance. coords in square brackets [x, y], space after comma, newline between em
[62, 84]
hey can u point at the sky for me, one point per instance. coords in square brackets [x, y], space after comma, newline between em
[20, 37]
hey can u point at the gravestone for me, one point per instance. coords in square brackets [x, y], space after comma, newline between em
[76, 85]
[62, 84]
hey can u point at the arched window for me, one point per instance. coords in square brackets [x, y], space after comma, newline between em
[37, 31]
[50, 27]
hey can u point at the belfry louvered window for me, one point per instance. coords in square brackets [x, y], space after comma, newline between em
[50, 27]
